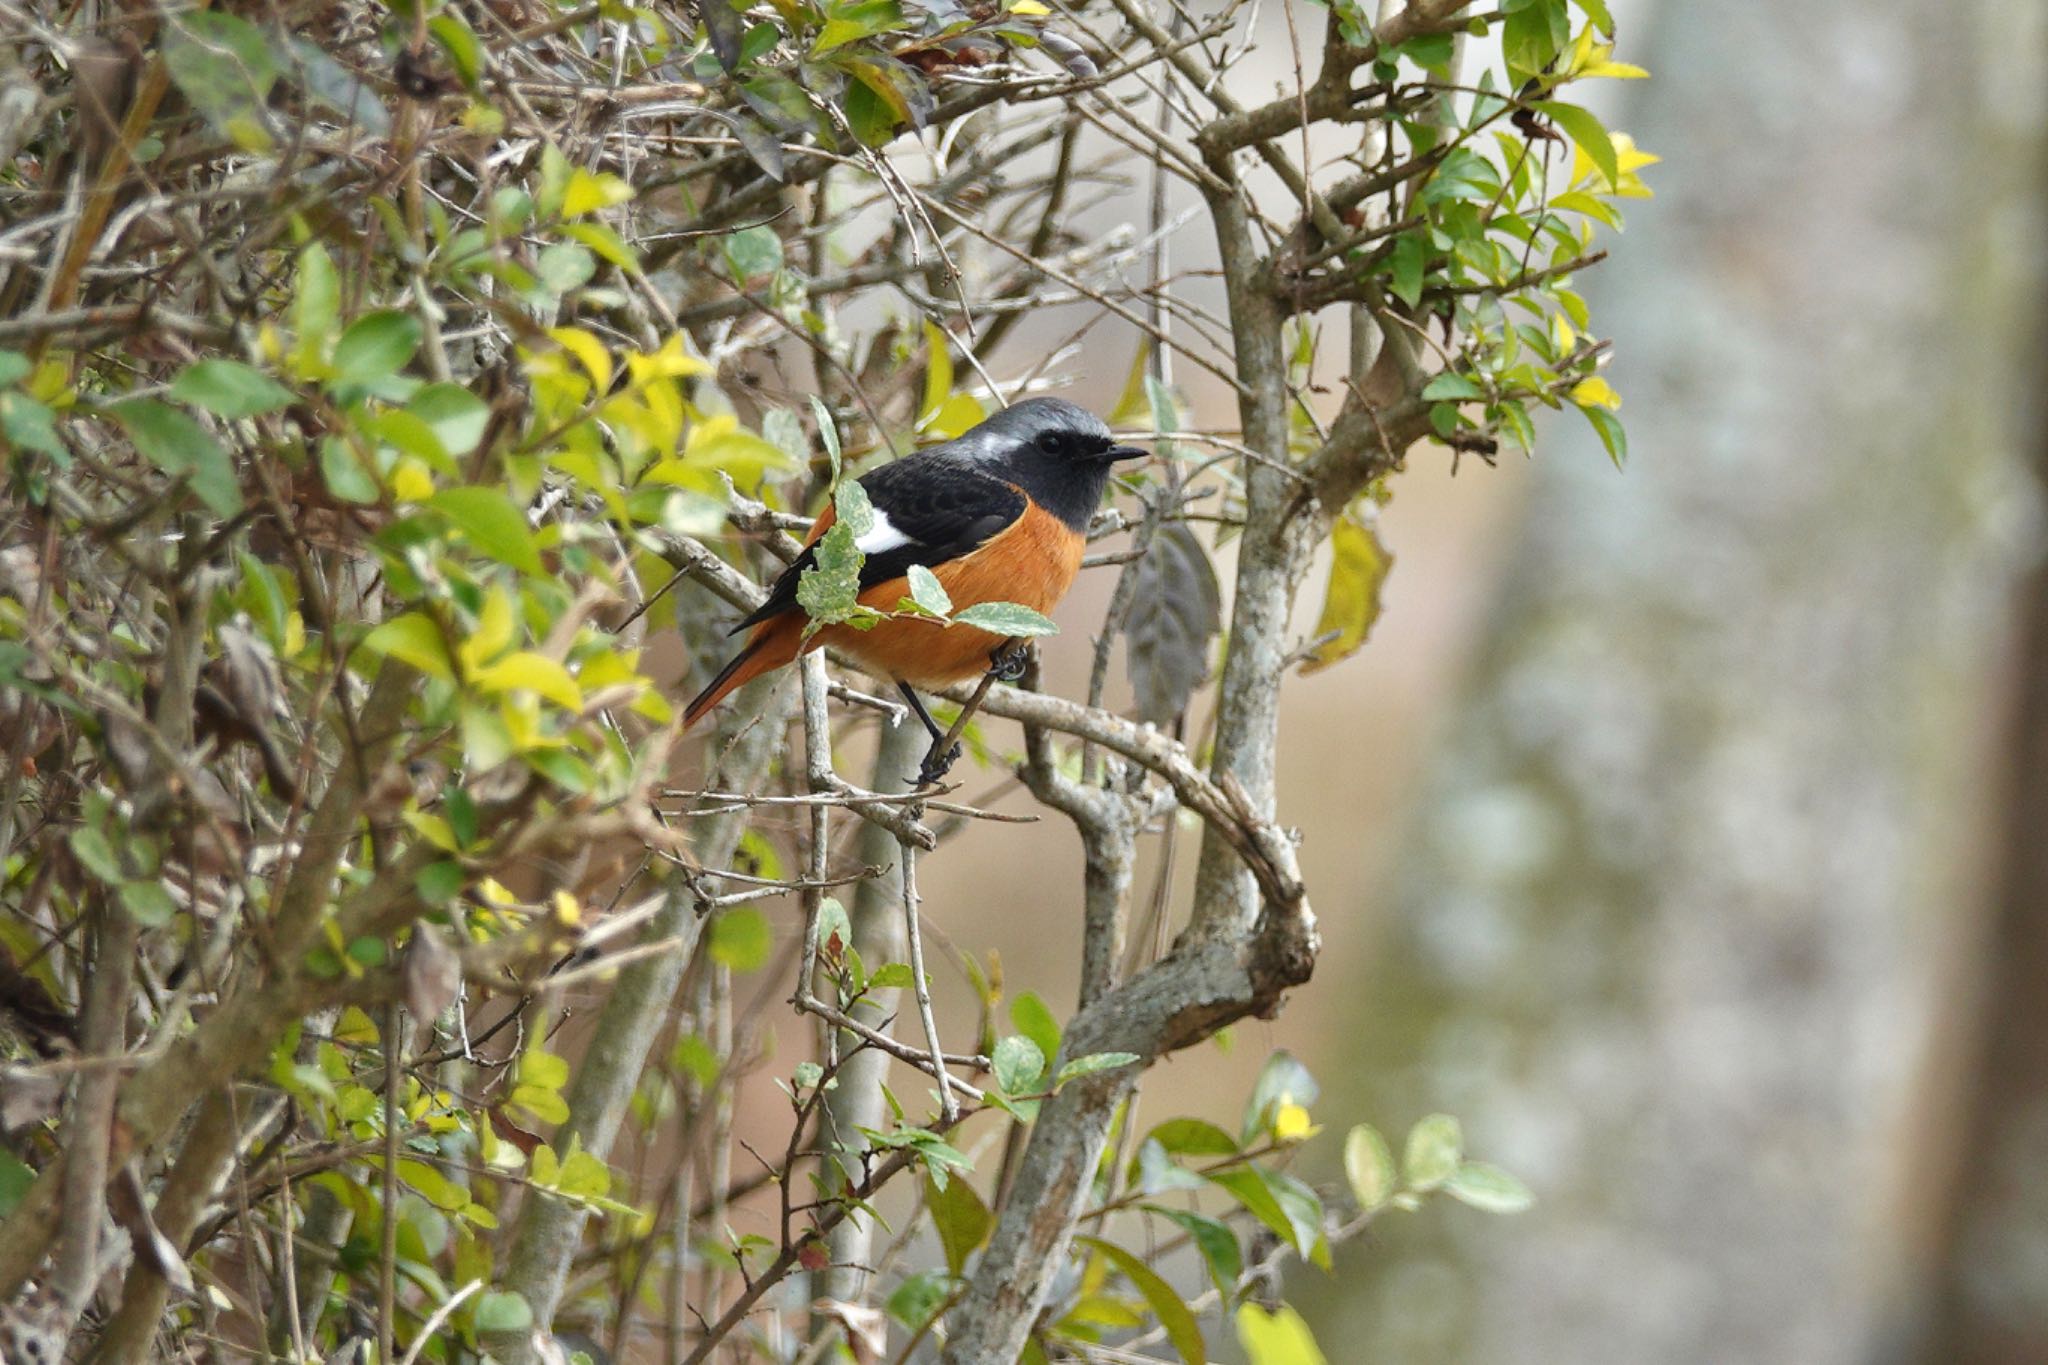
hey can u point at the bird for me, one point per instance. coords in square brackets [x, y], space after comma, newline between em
[998, 514]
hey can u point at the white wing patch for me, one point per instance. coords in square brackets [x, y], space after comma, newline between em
[881, 536]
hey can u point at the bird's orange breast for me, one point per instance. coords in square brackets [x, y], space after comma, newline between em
[1033, 562]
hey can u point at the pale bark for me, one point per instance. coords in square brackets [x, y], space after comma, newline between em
[1669, 931]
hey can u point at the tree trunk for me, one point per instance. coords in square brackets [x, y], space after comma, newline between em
[1671, 927]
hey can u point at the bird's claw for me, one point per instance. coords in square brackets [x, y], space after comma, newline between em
[1009, 663]
[935, 766]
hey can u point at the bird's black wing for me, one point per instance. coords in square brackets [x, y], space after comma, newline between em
[944, 507]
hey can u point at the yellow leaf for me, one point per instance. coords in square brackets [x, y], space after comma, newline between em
[664, 406]
[535, 673]
[493, 631]
[1030, 7]
[1277, 1338]
[956, 415]
[1595, 392]
[1628, 160]
[1134, 405]
[294, 634]
[586, 193]
[433, 829]
[1630, 157]
[1615, 71]
[1561, 334]
[1358, 569]
[411, 481]
[938, 372]
[670, 362]
[1291, 1124]
[567, 911]
[414, 639]
[493, 892]
[587, 349]
[605, 670]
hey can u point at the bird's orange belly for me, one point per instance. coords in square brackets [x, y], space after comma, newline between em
[1032, 563]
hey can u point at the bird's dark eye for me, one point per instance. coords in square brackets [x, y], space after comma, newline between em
[1052, 443]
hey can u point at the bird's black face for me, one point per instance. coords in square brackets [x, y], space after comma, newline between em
[1058, 453]
[1084, 447]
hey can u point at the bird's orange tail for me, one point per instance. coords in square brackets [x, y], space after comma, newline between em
[773, 644]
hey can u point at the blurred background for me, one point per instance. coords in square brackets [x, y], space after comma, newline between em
[1684, 830]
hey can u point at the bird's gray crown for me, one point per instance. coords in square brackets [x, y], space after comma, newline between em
[1021, 424]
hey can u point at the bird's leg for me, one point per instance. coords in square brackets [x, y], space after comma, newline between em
[917, 708]
[1005, 664]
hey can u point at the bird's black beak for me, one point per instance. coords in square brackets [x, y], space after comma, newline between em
[1116, 453]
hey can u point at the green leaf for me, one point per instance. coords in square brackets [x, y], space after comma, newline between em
[457, 416]
[461, 45]
[225, 67]
[1193, 1137]
[228, 388]
[1610, 431]
[1019, 1065]
[316, 305]
[830, 590]
[928, 592]
[1435, 1146]
[961, 1219]
[1406, 262]
[1359, 565]
[1588, 132]
[1035, 1021]
[95, 854]
[1489, 1188]
[343, 473]
[414, 639]
[563, 267]
[440, 882]
[1217, 1243]
[1277, 1337]
[1006, 618]
[1091, 1064]
[335, 86]
[1165, 1303]
[742, 939]
[1254, 1188]
[753, 252]
[1448, 385]
[16, 1176]
[832, 924]
[31, 425]
[1369, 1166]
[492, 524]
[918, 1298]
[375, 346]
[14, 367]
[435, 1188]
[828, 432]
[179, 446]
[148, 903]
[850, 23]
[501, 1310]
[892, 976]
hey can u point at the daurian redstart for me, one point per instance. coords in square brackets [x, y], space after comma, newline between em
[998, 514]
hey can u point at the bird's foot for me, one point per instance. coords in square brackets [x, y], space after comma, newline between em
[1008, 664]
[937, 763]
